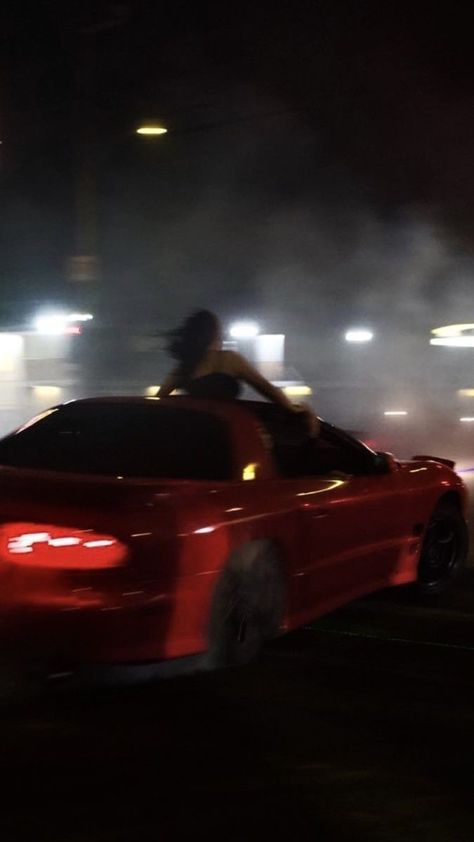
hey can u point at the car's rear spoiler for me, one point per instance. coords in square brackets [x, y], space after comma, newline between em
[448, 462]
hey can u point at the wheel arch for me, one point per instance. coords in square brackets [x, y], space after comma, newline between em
[245, 552]
[242, 575]
[243, 555]
[452, 498]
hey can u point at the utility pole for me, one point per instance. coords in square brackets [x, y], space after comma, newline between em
[84, 270]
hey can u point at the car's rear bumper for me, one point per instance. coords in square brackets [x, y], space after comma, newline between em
[43, 651]
[111, 617]
[69, 637]
[122, 674]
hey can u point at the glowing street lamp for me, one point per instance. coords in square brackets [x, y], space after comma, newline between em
[151, 131]
[244, 330]
[55, 322]
[359, 335]
[454, 336]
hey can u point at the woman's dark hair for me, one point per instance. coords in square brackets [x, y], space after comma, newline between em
[189, 342]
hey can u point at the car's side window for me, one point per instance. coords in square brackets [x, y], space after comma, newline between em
[318, 457]
[326, 455]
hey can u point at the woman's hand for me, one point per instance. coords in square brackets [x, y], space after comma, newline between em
[312, 420]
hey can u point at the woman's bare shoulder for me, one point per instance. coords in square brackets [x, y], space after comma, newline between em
[230, 362]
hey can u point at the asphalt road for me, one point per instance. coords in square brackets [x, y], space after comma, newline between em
[359, 727]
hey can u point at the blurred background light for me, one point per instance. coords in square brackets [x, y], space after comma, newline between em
[57, 322]
[359, 334]
[244, 330]
[298, 391]
[454, 336]
[47, 393]
[151, 131]
[454, 341]
[51, 323]
[11, 352]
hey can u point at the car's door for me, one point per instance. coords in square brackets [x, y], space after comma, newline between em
[354, 521]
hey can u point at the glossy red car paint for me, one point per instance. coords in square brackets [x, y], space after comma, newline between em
[337, 536]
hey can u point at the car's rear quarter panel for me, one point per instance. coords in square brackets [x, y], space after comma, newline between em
[210, 526]
[426, 483]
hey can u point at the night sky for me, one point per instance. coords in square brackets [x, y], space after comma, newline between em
[319, 163]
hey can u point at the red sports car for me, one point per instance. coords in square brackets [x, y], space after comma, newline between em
[138, 529]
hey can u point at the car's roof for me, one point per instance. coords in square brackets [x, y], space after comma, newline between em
[232, 411]
[280, 423]
[173, 399]
[263, 409]
[182, 401]
[260, 408]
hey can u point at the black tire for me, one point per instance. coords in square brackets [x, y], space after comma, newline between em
[444, 551]
[247, 607]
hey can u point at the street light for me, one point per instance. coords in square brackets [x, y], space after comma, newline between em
[454, 336]
[244, 330]
[151, 131]
[358, 334]
[55, 322]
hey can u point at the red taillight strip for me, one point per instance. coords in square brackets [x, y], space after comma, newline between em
[52, 546]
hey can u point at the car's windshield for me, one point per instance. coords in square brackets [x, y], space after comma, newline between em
[142, 440]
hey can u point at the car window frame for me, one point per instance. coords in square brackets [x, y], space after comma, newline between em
[368, 458]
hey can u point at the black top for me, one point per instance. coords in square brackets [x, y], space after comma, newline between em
[216, 386]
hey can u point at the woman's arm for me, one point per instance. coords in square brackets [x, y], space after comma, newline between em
[250, 375]
[246, 372]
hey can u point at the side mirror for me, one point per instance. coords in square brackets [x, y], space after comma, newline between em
[385, 463]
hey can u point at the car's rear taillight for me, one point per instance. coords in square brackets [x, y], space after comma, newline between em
[47, 545]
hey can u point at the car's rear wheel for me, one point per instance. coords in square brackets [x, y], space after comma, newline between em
[444, 551]
[247, 608]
